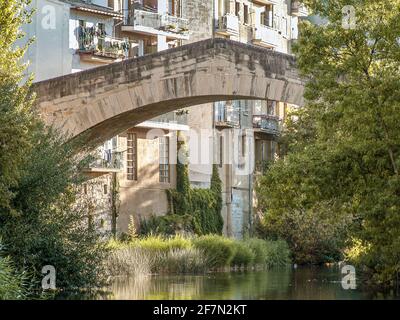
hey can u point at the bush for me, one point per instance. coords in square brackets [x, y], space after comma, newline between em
[244, 255]
[218, 250]
[259, 248]
[48, 225]
[169, 224]
[278, 254]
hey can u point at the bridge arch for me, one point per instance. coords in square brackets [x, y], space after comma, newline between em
[100, 103]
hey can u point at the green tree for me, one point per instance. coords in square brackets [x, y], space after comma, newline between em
[343, 154]
[16, 116]
[41, 219]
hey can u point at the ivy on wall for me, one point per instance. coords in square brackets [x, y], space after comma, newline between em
[203, 205]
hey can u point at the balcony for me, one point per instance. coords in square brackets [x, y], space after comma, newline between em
[298, 9]
[226, 116]
[265, 2]
[266, 36]
[228, 25]
[97, 47]
[153, 23]
[176, 120]
[266, 124]
[108, 162]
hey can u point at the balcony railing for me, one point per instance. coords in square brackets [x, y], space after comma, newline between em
[226, 116]
[178, 117]
[99, 44]
[266, 36]
[298, 9]
[156, 21]
[110, 160]
[228, 24]
[266, 123]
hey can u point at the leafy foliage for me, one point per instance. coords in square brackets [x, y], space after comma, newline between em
[41, 223]
[204, 205]
[49, 226]
[343, 149]
[219, 250]
[13, 284]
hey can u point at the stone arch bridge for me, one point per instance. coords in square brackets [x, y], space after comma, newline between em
[102, 102]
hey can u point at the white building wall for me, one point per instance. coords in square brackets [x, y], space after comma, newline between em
[48, 56]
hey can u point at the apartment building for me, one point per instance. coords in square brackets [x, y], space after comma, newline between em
[90, 33]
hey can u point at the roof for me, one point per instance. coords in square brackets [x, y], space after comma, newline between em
[93, 8]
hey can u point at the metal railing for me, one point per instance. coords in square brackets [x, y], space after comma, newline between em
[267, 123]
[101, 44]
[154, 20]
[227, 115]
[109, 160]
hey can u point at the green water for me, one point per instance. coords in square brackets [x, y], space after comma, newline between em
[301, 283]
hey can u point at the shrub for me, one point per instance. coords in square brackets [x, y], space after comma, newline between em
[244, 255]
[218, 250]
[169, 224]
[48, 225]
[278, 254]
[259, 248]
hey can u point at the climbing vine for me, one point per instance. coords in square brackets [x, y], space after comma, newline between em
[203, 205]
[115, 203]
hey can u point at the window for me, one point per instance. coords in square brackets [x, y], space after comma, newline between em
[237, 8]
[131, 157]
[266, 16]
[271, 108]
[164, 159]
[105, 189]
[246, 14]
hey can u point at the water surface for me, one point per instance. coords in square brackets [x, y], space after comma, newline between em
[301, 283]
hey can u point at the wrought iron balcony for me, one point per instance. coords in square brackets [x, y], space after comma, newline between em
[151, 22]
[267, 124]
[94, 43]
[108, 161]
[226, 116]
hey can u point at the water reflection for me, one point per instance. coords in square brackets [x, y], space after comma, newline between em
[301, 283]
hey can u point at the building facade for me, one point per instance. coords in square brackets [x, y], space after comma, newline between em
[133, 170]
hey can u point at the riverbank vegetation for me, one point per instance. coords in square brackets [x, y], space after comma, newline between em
[180, 255]
[41, 221]
[337, 184]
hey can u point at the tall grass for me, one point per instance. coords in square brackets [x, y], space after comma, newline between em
[129, 261]
[157, 254]
[13, 285]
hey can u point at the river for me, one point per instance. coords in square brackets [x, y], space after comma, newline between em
[300, 283]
